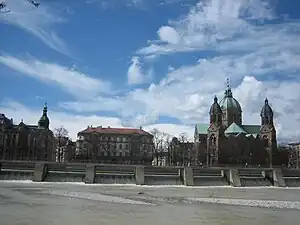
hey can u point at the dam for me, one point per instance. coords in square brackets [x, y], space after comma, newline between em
[148, 175]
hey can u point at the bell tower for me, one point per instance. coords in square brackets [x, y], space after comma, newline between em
[268, 131]
[213, 133]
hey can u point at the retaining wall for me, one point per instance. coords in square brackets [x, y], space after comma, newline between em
[148, 175]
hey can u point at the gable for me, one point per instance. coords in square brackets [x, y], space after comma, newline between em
[234, 129]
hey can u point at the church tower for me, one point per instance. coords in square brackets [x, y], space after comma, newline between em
[267, 130]
[213, 133]
[231, 109]
[44, 120]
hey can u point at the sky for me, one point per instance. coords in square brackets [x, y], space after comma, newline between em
[150, 63]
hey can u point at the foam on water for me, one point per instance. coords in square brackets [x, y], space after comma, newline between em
[144, 186]
[252, 203]
[96, 197]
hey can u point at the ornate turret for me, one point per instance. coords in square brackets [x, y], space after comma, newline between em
[231, 109]
[44, 120]
[215, 112]
[266, 114]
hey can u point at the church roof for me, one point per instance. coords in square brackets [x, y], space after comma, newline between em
[201, 128]
[234, 129]
[251, 129]
[229, 102]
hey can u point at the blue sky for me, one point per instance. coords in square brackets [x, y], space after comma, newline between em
[151, 63]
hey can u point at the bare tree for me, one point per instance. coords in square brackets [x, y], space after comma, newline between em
[61, 136]
[159, 140]
[184, 148]
[183, 137]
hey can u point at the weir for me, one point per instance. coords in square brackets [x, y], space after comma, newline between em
[108, 174]
[163, 175]
[16, 171]
[148, 175]
[209, 177]
[251, 177]
[291, 177]
[65, 172]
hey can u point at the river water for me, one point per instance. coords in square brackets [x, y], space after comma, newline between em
[62, 203]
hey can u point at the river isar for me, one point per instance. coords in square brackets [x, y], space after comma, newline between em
[25, 202]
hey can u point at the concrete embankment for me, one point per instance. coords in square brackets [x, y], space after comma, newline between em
[148, 175]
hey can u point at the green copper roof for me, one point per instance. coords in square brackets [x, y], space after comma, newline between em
[201, 128]
[229, 101]
[44, 120]
[251, 129]
[234, 129]
[248, 129]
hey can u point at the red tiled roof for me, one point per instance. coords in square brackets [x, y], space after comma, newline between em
[111, 130]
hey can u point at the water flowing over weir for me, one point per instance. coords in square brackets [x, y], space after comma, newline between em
[291, 177]
[253, 177]
[13, 171]
[163, 176]
[148, 175]
[114, 175]
[209, 177]
[65, 173]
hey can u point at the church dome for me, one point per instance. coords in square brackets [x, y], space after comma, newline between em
[215, 108]
[266, 110]
[229, 102]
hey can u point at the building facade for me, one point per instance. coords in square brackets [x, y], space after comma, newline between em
[180, 153]
[114, 145]
[294, 155]
[226, 140]
[26, 142]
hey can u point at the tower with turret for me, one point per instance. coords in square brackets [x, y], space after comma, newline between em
[229, 141]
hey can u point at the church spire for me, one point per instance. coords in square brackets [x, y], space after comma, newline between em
[228, 92]
[44, 120]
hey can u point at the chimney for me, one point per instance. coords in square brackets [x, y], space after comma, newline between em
[141, 128]
[108, 126]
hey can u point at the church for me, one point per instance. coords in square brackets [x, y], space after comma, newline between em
[226, 140]
[26, 142]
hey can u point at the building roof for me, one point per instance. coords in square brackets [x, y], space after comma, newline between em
[44, 120]
[251, 129]
[215, 108]
[266, 110]
[234, 129]
[201, 128]
[229, 102]
[111, 130]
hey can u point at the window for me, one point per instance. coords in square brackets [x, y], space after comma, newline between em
[126, 146]
[120, 146]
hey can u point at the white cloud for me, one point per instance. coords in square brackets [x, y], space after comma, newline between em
[37, 21]
[212, 24]
[135, 72]
[70, 80]
[169, 35]
[75, 123]
[261, 61]
[138, 4]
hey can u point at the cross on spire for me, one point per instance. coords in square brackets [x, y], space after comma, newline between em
[228, 82]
